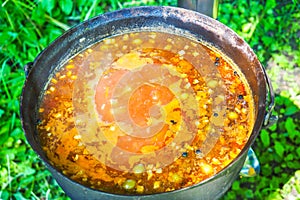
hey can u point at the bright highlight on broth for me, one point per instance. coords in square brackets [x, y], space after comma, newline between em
[144, 113]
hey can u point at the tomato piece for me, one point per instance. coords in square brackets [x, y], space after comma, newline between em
[104, 92]
[144, 98]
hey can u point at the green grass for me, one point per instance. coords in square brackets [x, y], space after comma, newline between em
[272, 28]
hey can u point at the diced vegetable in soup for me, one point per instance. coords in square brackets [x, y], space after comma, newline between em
[145, 113]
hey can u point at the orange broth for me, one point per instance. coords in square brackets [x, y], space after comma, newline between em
[181, 128]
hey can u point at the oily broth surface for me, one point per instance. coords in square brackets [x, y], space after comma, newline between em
[145, 113]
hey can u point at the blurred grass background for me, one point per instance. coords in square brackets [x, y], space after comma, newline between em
[271, 27]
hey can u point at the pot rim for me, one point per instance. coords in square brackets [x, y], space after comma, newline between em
[166, 12]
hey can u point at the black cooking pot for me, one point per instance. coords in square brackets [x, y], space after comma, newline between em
[162, 19]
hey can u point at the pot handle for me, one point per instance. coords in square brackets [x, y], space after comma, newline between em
[269, 119]
[251, 165]
[27, 68]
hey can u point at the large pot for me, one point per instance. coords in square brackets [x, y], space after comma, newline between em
[166, 19]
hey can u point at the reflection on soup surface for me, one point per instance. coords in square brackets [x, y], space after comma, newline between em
[144, 113]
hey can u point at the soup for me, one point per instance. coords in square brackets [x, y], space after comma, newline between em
[145, 113]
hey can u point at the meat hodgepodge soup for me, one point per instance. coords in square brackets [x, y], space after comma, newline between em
[144, 113]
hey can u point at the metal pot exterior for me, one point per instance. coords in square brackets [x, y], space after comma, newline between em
[163, 19]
